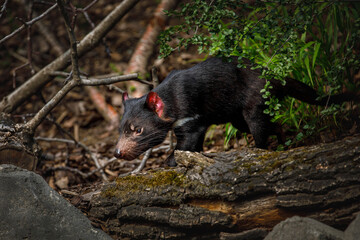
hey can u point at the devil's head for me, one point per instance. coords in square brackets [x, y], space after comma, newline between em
[142, 126]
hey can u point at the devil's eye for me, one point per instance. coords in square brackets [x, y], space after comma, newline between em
[139, 131]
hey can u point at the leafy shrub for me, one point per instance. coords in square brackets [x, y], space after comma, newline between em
[315, 42]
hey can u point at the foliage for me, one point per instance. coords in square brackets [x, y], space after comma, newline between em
[230, 132]
[312, 41]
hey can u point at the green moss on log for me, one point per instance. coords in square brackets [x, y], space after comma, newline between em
[128, 184]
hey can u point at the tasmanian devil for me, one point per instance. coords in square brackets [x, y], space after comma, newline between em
[211, 92]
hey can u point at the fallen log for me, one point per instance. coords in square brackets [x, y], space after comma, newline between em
[211, 195]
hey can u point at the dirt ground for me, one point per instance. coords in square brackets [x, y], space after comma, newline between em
[76, 113]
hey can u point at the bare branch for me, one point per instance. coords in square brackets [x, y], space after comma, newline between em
[95, 81]
[59, 73]
[143, 161]
[82, 174]
[72, 39]
[155, 78]
[13, 71]
[115, 88]
[92, 156]
[39, 117]
[29, 23]
[141, 166]
[29, 39]
[3, 8]
[111, 80]
[62, 140]
[89, 6]
[30, 87]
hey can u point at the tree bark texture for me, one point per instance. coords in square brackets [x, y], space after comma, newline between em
[215, 194]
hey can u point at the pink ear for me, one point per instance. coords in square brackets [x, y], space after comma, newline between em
[125, 96]
[154, 102]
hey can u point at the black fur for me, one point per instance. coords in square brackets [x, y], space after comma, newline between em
[211, 92]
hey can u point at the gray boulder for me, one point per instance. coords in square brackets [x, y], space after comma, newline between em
[30, 209]
[353, 230]
[300, 228]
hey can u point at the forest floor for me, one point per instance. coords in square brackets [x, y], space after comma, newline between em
[77, 115]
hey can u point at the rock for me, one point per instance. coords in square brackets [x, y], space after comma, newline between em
[353, 230]
[30, 209]
[299, 228]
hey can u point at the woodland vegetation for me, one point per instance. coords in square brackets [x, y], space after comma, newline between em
[65, 64]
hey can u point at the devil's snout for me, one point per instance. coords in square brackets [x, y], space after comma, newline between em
[126, 149]
[118, 153]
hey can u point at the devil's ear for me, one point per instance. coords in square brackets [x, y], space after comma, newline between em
[125, 96]
[154, 103]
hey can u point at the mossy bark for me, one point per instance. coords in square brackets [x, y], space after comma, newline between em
[17, 146]
[209, 195]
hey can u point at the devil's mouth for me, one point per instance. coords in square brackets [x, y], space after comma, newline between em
[126, 155]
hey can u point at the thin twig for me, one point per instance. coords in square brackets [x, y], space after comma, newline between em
[59, 73]
[14, 72]
[92, 24]
[143, 161]
[111, 80]
[92, 156]
[34, 20]
[66, 168]
[39, 117]
[53, 121]
[63, 140]
[270, 60]
[72, 39]
[155, 78]
[115, 88]
[95, 81]
[29, 39]
[141, 166]
[82, 174]
[89, 5]
[3, 8]
[41, 114]
[160, 148]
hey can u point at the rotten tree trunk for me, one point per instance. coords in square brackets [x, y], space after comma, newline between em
[233, 192]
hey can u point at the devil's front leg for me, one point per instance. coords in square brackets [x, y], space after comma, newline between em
[190, 137]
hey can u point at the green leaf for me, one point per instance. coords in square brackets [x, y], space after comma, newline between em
[307, 64]
[316, 51]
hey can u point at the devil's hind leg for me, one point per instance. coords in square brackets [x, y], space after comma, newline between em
[259, 125]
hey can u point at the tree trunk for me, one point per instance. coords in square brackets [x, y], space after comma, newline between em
[212, 195]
